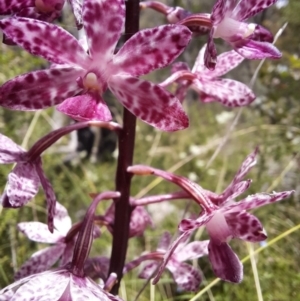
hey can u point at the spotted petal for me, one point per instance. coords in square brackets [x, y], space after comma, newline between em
[199, 66]
[225, 263]
[257, 200]
[12, 6]
[237, 189]
[245, 226]
[148, 270]
[10, 152]
[46, 40]
[23, 184]
[39, 232]
[62, 220]
[220, 9]
[149, 102]
[229, 92]
[248, 8]
[139, 221]
[192, 250]
[52, 283]
[164, 242]
[103, 24]
[255, 50]
[152, 49]
[40, 261]
[225, 63]
[186, 276]
[77, 11]
[89, 106]
[40, 89]
[169, 253]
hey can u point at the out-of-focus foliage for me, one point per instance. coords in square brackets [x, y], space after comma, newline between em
[272, 122]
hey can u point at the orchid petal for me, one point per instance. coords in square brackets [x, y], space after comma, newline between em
[262, 34]
[225, 63]
[169, 253]
[256, 200]
[23, 184]
[149, 102]
[199, 66]
[248, 8]
[148, 270]
[221, 7]
[46, 40]
[210, 55]
[185, 276]
[139, 221]
[103, 24]
[225, 263]
[179, 66]
[152, 49]
[245, 226]
[39, 232]
[255, 50]
[164, 242]
[40, 261]
[76, 6]
[246, 166]
[10, 152]
[238, 189]
[40, 89]
[62, 220]
[192, 250]
[193, 224]
[229, 92]
[86, 107]
[89, 290]
[12, 6]
[44, 283]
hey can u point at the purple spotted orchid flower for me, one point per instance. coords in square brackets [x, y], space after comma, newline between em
[78, 79]
[24, 180]
[139, 220]
[186, 276]
[45, 10]
[62, 244]
[250, 40]
[208, 84]
[68, 282]
[223, 218]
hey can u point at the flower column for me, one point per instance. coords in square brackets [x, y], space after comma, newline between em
[125, 158]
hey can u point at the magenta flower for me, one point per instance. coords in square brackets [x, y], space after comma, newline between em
[250, 40]
[139, 220]
[24, 180]
[80, 78]
[45, 10]
[208, 84]
[36, 9]
[186, 276]
[223, 221]
[62, 246]
[69, 282]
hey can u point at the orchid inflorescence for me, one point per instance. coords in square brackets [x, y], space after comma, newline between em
[81, 71]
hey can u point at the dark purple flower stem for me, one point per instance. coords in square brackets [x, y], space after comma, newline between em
[123, 178]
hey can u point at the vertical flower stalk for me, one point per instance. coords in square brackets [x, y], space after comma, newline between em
[123, 178]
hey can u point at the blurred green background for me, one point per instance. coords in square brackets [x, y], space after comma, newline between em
[272, 122]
